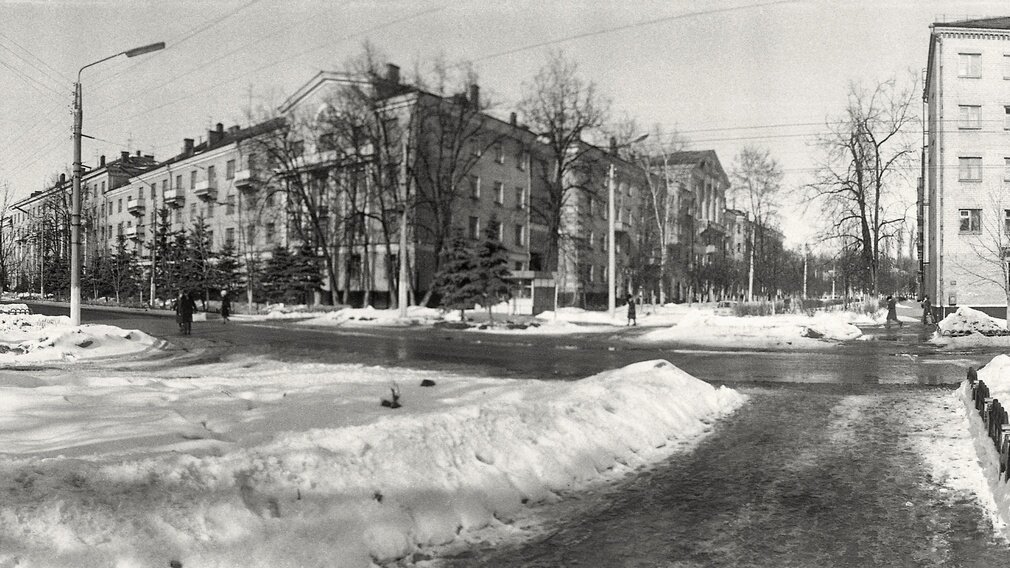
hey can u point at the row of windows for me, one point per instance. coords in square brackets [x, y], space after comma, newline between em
[497, 229]
[269, 232]
[969, 168]
[969, 117]
[970, 65]
[498, 191]
[522, 157]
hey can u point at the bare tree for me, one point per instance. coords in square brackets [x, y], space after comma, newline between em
[757, 184]
[564, 109]
[865, 156]
[450, 134]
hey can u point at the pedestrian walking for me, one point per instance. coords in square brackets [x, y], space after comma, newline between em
[892, 312]
[632, 320]
[184, 313]
[225, 306]
[927, 310]
[178, 310]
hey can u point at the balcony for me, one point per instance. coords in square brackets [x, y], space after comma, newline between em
[134, 233]
[135, 206]
[205, 190]
[621, 227]
[244, 180]
[175, 197]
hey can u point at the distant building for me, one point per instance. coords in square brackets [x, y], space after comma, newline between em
[963, 207]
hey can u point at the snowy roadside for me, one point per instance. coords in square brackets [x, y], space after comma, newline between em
[259, 463]
[26, 338]
[994, 489]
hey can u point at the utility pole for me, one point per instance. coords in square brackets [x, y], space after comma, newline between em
[401, 295]
[806, 252]
[750, 272]
[611, 255]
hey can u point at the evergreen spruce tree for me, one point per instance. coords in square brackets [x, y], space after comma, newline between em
[492, 271]
[276, 273]
[305, 273]
[227, 270]
[458, 280]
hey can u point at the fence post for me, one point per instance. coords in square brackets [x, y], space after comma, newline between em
[972, 375]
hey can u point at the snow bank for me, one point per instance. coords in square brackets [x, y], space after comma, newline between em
[416, 315]
[996, 375]
[38, 338]
[966, 327]
[795, 330]
[304, 468]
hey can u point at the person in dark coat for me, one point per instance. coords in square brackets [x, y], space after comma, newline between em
[632, 320]
[225, 306]
[184, 310]
[892, 312]
[927, 310]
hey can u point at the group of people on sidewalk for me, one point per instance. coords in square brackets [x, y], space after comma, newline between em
[185, 307]
[892, 311]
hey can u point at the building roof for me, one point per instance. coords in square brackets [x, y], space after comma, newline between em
[696, 158]
[1000, 23]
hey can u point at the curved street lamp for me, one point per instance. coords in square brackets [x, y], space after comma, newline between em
[75, 195]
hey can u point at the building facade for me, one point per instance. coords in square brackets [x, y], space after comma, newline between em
[964, 204]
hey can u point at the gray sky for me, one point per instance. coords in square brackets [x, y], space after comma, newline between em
[726, 73]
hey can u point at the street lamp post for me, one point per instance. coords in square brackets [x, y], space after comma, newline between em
[611, 238]
[75, 195]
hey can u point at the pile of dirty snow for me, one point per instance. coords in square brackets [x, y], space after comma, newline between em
[965, 328]
[793, 330]
[36, 338]
[358, 317]
[266, 464]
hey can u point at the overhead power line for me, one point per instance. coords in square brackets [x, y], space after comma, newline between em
[640, 24]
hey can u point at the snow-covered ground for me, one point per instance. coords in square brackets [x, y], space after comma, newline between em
[260, 463]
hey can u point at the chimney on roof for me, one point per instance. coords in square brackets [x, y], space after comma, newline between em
[512, 118]
[215, 136]
[393, 73]
[63, 179]
[233, 129]
[475, 95]
[613, 145]
[101, 161]
[149, 157]
[187, 146]
[138, 153]
[124, 155]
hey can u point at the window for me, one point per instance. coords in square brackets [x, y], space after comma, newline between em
[103, 187]
[1006, 169]
[269, 231]
[192, 179]
[250, 234]
[178, 215]
[230, 205]
[591, 272]
[519, 236]
[474, 187]
[969, 169]
[494, 229]
[1006, 66]
[522, 160]
[474, 228]
[178, 181]
[211, 175]
[499, 192]
[1006, 221]
[969, 65]
[1006, 118]
[192, 211]
[119, 206]
[589, 205]
[499, 153]
[520, 198]
[210, 210]
[968, 116]
[229, 169]
[229, 237]
[971, 220]
[119, 229]
[592, 240]
[475, 148]
[210, 238]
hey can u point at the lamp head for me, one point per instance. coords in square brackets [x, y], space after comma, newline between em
[145, 49]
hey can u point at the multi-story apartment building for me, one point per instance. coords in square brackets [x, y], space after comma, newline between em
[700, 184]
[40, 222]
[964, 204]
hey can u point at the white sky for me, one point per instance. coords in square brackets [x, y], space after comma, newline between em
[725, 72]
